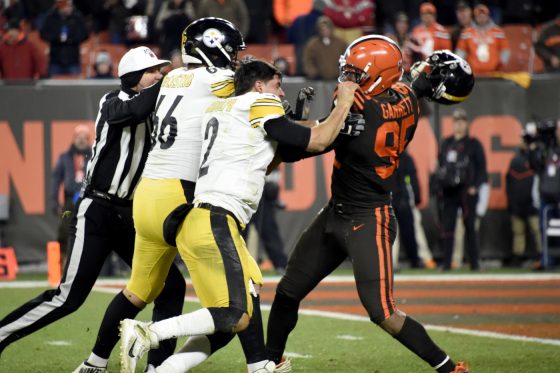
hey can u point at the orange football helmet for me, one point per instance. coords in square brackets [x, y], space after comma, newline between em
[374, 61]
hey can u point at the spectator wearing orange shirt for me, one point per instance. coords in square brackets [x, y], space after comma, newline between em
[484, 44]
[429, 35]
[548, 45]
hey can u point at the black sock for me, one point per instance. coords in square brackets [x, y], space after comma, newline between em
[120, 308]
[252, 338]
[416, 339]
[282, 320]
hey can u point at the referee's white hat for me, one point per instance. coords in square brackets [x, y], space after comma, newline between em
[139, 58]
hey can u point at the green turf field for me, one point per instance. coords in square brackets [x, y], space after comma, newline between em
[323, 344]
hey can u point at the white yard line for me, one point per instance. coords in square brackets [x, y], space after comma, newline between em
[113, 286]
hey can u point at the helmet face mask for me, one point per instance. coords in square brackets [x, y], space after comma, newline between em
[213, 42]
[372, 61]
[451, 76]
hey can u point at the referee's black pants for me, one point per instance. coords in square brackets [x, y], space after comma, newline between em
[98, 227]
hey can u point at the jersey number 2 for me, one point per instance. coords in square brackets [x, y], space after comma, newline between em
[212, 124]
[391, 150]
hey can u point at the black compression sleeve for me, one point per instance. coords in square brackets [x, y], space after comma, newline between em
[288, 132]
[136, 109]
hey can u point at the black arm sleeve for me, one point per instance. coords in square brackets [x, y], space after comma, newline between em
[288, 132]
[137, 109]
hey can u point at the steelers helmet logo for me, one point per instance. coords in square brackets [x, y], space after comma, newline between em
[212, 37]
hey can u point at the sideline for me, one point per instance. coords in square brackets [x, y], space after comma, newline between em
[112, 286]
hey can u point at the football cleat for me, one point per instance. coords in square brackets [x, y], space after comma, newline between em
[136, 340]
[461, 367]
[284, 366]
[86, 368]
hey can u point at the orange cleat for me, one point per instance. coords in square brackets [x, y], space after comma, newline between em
[461, 367]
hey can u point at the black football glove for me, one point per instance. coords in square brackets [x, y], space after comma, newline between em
[422, 86]
[353, 125]
[288, 109]
[303, 101]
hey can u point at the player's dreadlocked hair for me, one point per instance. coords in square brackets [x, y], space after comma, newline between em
[250, 71]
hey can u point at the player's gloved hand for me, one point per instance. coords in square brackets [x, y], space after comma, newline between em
[353, 125]
[304, 98]
[288, 109]
[422, 86]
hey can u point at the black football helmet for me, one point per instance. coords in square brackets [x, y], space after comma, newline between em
[211, 41]
[451, 77]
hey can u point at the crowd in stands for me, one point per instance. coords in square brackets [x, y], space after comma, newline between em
[76, 38]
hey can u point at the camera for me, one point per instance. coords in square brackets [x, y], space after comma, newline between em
[541, 131]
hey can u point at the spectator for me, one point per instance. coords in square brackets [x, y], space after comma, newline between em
[260, 21]
[266, 225]
[406, 195]
[403, 38]
[19, 58]
[350, 17]
[548, 45]
[120, 13]
[234, 11]
[103, 67]
[522, 205]
[69, 172]
[463, 12]
[302, 29]
[321, 54]
[173, 17]
[64, 28]
[461, 172]
[429, 35]
[483, 44]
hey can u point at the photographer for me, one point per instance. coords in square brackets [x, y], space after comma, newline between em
[543, 139]
[461, 172]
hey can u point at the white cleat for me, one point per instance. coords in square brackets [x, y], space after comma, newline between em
[285, 366]
[86, 368]
[136, 340]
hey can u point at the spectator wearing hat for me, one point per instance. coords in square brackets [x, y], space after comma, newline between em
[463, 12]
[64, 29]
[103, 66]
[102, 219]
[461, 172]
[548, 45]
[484, 44]
[19, 58]
[321, 53]
[429, 35]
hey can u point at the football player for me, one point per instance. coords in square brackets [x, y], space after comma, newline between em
[358, 222]
[240, 135]
[209, 47]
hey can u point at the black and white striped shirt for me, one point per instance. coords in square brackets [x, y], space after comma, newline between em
[122, 141]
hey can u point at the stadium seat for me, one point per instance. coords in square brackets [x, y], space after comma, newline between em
[269, 52]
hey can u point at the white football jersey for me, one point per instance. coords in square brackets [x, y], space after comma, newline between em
[183, 97]
[236, 152]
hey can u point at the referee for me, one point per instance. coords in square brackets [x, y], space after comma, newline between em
[102, 219]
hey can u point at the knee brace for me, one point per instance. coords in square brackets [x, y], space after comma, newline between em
[229, 319]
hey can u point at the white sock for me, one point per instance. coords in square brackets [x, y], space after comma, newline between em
[196, 350]
[256, 366]
[97, 361]
[199, 322]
